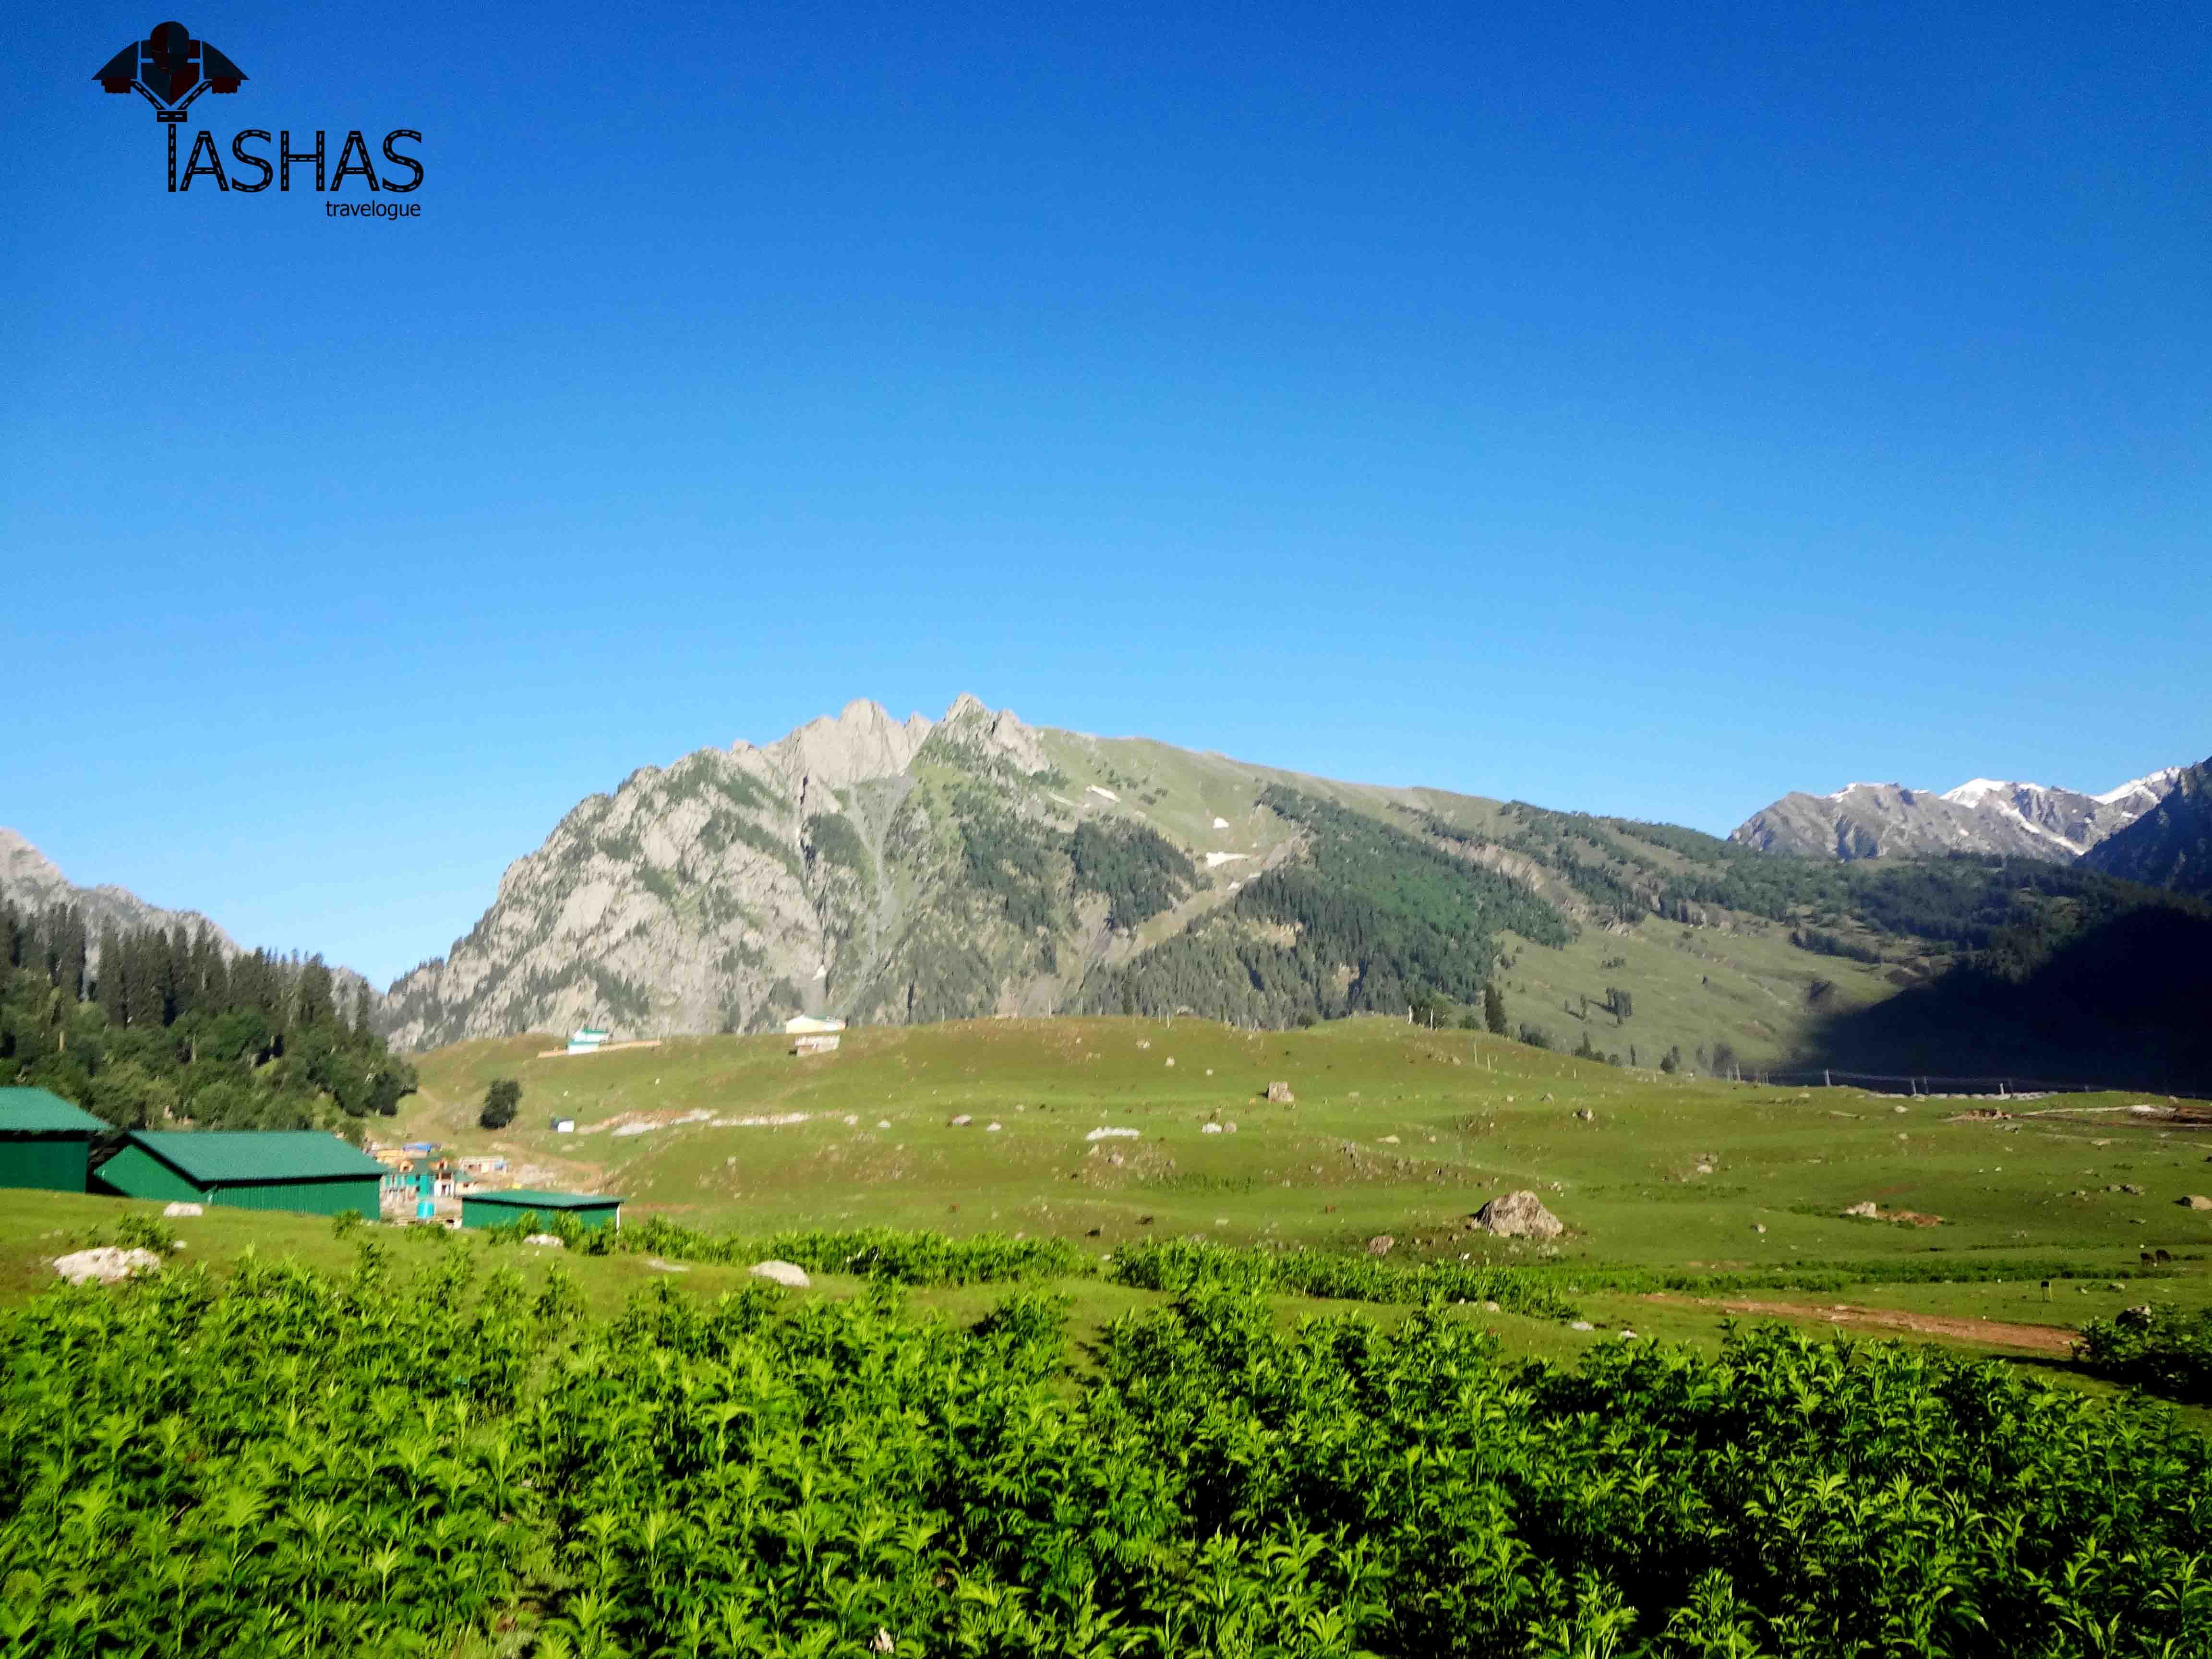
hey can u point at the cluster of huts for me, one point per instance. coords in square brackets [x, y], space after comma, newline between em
[45, 1142]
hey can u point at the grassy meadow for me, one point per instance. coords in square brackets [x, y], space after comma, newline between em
[1735, 1191]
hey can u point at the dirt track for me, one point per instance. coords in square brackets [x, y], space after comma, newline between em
[2039, 1338]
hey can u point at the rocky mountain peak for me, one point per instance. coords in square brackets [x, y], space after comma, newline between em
[862, 741]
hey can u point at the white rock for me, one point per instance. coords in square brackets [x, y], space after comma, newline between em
[1519, 1215]
[783, 1273]
[1581, 1325]
[547, 1240]
[105, 1265]
[180, 1208]
[660, 1267]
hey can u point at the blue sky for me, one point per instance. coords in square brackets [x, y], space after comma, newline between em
[1631, 410]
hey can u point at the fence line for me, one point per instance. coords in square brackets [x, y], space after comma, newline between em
[2002, 1088]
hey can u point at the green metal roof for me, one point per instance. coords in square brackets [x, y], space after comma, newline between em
[523, 1198]
[223, 1158]
[37, 1111]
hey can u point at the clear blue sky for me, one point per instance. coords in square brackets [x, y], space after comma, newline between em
[1646, 411]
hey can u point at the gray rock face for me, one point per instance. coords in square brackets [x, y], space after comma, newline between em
[2023, 820]
[1519, 1215]
[741, 886]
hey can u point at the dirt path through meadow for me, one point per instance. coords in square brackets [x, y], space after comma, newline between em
[2039, 1338]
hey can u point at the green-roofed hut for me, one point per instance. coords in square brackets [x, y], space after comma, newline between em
[44, 1141]
[249, 1169]
[497, 1209]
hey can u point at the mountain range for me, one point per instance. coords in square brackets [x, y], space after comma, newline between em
[1982, 815]
[889, 871]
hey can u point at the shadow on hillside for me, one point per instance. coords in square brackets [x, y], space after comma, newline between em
[2128, 1003]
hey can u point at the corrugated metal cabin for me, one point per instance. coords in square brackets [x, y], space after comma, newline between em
[499, 1208]
[265, 1170]
[44, 1141]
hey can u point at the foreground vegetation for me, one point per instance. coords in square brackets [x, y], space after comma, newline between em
[292, 1461]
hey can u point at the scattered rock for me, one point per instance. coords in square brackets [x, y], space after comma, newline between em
[2196, 1201]
[1171, 1060]
[1585, 1114]
[1381, 1244]
[660, 1267]
[1581, 1325]
[1704, 1169]
[1492, 1307]
[1389, 1140]
[989, 1127]
[105, 1265]
[180, 1208]
[2129, 1187]
[881, 1641]
[782, 1273]
[1209, 1129]
[1519, 1215]
[1759, 1226]
[1869, 1209]
[547, 1240]
[961, 1121]
[1281, 1094]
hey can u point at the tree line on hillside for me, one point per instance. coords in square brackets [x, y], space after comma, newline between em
[154, 1028]
[1372, 920]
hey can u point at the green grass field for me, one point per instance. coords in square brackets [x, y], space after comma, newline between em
[1394, 1130]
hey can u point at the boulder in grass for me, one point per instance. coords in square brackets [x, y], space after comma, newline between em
[782, 1273]
[2196, 1201]
[548, 1241]
[1281, 1095]
[105, 1265]
[1519, 1215]
[1382, 1244]
[180, 1208]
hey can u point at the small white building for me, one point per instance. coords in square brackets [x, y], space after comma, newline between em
[812, 1036]
[586, 1040]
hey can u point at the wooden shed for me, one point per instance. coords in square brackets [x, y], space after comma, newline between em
[247, 1169]
[44, 1141]
[512, 1204]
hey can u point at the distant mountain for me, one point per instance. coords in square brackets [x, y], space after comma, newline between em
[30, 882]
[1983, 816]
[2170, 845]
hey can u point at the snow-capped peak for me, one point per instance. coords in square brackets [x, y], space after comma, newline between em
[2157, 785]
[1975, 791]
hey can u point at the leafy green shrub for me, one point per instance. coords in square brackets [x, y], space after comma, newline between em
[287, 1463]
[2162, 1350]
[1186, 1265]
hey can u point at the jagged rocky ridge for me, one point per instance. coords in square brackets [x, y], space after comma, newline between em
[1983, 816]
